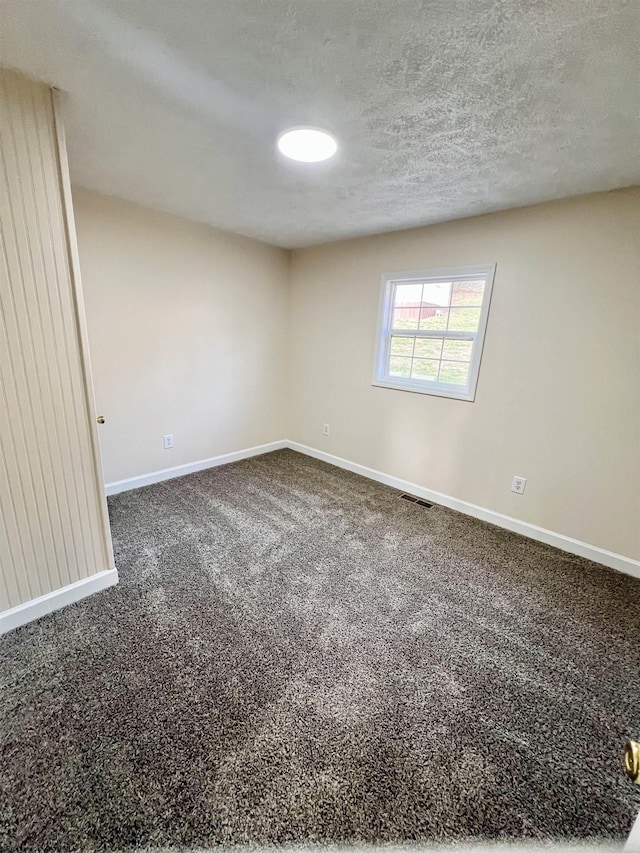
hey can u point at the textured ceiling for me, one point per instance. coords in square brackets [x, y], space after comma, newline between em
[443, 108]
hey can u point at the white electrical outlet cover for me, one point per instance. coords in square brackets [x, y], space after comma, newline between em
[518, 485]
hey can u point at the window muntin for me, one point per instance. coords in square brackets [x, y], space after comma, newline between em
[431, 330]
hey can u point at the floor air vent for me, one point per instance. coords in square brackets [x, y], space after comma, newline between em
[418, 501]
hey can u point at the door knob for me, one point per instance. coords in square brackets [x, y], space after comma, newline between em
[632, 760]
[100, 419]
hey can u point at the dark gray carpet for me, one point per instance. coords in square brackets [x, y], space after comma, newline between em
[295, 654]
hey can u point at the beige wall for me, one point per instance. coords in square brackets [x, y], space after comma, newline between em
[53, 528]
[187, 333]
[558, 398]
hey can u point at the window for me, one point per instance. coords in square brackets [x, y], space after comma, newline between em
[431, 330]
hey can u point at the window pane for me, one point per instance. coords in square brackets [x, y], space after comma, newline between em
[400, 367]
[406, 317]
[457, 350]
[433, 317]
[428, 347]
[464, 319]
[425, 369]
[407, 299]
[437, 293]
[408, 294]
[401, 346]
[430, 328]
[453, 373]
[467, 293]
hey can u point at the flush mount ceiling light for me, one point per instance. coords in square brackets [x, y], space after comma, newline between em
[307, 144]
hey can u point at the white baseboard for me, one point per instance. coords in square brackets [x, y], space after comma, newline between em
[190, 468]
[532, 531]
[540, 534]
[38, 607]
[24, 613]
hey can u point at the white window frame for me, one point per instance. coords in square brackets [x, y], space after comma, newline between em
[383, 379]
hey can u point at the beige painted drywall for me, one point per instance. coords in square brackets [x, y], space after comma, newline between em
[558, 397]
[187, 336]
[53, 521]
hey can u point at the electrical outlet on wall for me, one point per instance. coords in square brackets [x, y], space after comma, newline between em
[326, 429]
[168, 441]
[518, 485]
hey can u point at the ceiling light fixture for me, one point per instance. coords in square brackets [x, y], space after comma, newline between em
[307, 144]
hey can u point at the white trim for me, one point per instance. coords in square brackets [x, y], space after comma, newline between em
[24, 613]
[381, 377]
[191, 467]
[532, 531]
[39, 607]
[81, 325]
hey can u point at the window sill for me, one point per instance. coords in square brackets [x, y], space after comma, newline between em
[451, 393]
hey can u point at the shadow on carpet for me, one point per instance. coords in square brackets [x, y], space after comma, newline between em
[295, 655]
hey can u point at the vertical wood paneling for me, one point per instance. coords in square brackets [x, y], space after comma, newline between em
[52, 513]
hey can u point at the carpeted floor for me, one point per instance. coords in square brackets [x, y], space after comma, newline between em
[296, 654]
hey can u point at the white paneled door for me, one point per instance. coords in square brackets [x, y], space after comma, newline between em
[55, 545]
